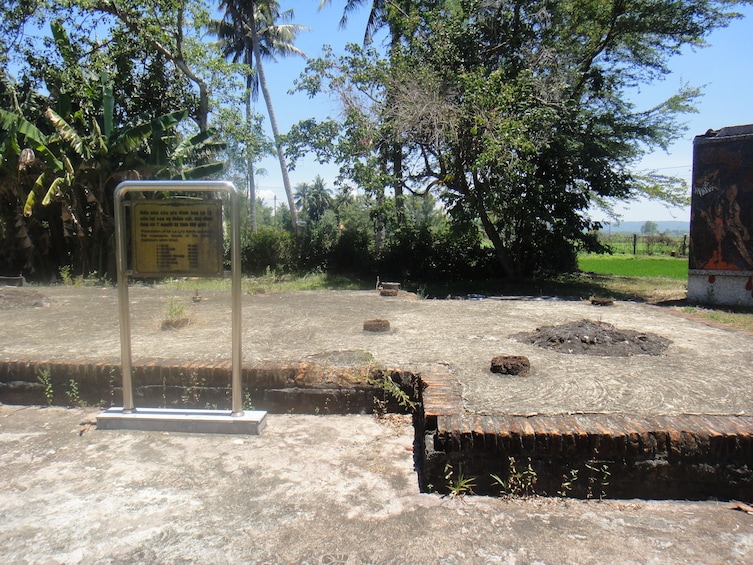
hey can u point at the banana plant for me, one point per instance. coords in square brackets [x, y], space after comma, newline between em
[84, 158]
[19, 168]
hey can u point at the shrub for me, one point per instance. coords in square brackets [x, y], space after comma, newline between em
[268, 248]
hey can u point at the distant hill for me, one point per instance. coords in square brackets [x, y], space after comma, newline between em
[635, 227]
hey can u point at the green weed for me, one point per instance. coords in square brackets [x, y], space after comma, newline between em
[67, 278]
[72, 393]
[174, 309]
[742, 319]
[44, 378]
[191, 395]
[598, 480]
[519, 483]
[272, 282]
[175, 315]
[567, 482]
[248, 403]
[390, 388]
[65, 275]
[457, 483]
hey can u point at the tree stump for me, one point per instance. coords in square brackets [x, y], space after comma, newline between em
[388, 288]
[511, 365]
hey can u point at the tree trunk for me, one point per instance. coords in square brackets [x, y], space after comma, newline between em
[250, 161]
[395, 146]
[397, 172]
[273, 123]
[503, 255]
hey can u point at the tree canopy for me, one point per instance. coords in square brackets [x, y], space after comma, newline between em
[515, 117]
[517, 113]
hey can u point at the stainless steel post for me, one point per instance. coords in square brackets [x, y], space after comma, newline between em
[124, 314]
[235, 259]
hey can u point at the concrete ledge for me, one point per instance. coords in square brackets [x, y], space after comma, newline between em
[646, 456]
[694, 456]
[185, 421]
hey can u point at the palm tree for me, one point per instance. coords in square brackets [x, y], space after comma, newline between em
[252, 33]
[320, 199]
[377, 15]
[313, 199]
[302, 193]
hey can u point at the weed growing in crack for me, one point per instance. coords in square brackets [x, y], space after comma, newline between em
[192, 393]
[45, 379]
[567, 482]
[390, 388]
[518, 482]
[598, 478]
[457, 483]
[74, 398]
[248, 403]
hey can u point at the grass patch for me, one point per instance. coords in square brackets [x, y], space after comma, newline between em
[742, 320]
[634, 266]
[272, 283]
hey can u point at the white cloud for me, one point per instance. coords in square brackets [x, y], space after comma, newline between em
[266, 195]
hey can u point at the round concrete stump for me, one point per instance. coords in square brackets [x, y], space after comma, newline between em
[388, 292]
[377, 325]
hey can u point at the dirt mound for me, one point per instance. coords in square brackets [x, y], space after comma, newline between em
[587, 337]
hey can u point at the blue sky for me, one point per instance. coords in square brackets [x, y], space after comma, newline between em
[725, 69]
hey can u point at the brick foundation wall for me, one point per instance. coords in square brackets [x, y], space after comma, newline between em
[303, 388]
[614, 455]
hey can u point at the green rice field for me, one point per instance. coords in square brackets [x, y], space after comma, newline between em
[634, 266]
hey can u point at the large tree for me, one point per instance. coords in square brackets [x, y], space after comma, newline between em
[518, 113]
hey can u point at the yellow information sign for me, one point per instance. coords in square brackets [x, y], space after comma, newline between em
[177, 238]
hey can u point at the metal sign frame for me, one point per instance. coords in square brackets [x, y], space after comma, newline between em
[217, 187]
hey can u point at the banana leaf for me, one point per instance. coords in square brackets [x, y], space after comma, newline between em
[58, 186]
[160, 126]
[201, 172]
[198, 142]
[108, 104]
[67, 133]
[31, 199]
[13, 122]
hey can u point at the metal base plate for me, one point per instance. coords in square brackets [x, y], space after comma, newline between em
[251, 422]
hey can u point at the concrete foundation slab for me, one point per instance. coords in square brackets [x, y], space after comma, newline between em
[251, 422]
